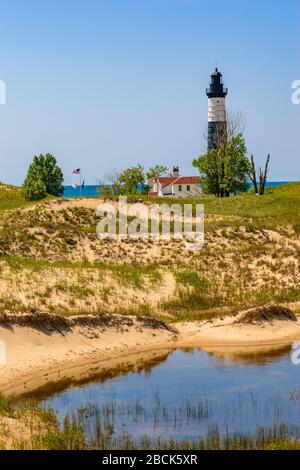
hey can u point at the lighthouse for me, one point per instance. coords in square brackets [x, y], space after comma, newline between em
[217, 119]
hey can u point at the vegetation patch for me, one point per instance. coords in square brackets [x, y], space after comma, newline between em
[52, 323]
[192, 278]
[11, 198]
[267, 314]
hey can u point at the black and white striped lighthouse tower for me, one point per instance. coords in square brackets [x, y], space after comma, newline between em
[217, 117]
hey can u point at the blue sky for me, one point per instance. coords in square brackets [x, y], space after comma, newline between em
[108, 84]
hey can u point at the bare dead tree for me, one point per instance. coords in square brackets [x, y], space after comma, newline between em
[252, 174]
[235, 124]
[109, 185]
[263, 175]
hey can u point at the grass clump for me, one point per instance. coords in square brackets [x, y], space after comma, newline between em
[5, 404]
[192, 278]
[70, 437]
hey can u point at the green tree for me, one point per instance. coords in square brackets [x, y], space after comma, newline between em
[130, 178]
[34, 189]
[43, 176]
[157, 170]
[104, 190]
[131, 181]
[224, 170]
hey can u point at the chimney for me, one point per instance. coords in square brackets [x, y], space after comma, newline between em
[175, 173]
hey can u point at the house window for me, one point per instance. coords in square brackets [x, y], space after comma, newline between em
[180, 188]
[188, 188]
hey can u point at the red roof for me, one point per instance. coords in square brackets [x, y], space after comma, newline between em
[177, 180]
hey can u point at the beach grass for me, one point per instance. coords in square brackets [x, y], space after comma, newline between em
[96, 428]
[104, 427]
[11, 198]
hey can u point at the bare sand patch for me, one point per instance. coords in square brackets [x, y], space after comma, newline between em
[66, 203]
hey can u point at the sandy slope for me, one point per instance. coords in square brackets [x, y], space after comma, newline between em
[228, 338]
[37, 359]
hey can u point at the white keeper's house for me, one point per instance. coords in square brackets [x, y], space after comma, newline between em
[175, 185]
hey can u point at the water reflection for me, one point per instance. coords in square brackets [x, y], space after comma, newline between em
[188, 391]
[222, 356]
[245, 356]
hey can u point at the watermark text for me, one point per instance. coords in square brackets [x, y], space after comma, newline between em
[156, 221]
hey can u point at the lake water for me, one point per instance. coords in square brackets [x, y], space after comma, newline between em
[91, 190]
[188, 392]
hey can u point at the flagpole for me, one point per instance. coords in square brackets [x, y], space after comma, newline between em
[77, 172]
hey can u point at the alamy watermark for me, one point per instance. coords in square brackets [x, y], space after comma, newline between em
[2, 92]
[296, 93]
[295, 355]
[155, 221]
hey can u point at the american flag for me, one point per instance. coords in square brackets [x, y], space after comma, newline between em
[76, 172]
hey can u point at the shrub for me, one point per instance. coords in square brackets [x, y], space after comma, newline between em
[33, 190]
[43, 177]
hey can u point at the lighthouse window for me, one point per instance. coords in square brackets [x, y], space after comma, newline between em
[180, 188]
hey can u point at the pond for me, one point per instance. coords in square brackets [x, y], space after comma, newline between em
[188, 393]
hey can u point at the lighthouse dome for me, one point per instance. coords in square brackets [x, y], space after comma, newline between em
[216, 73]
[216, 88]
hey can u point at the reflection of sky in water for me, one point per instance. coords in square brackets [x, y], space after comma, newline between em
[238, 396]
